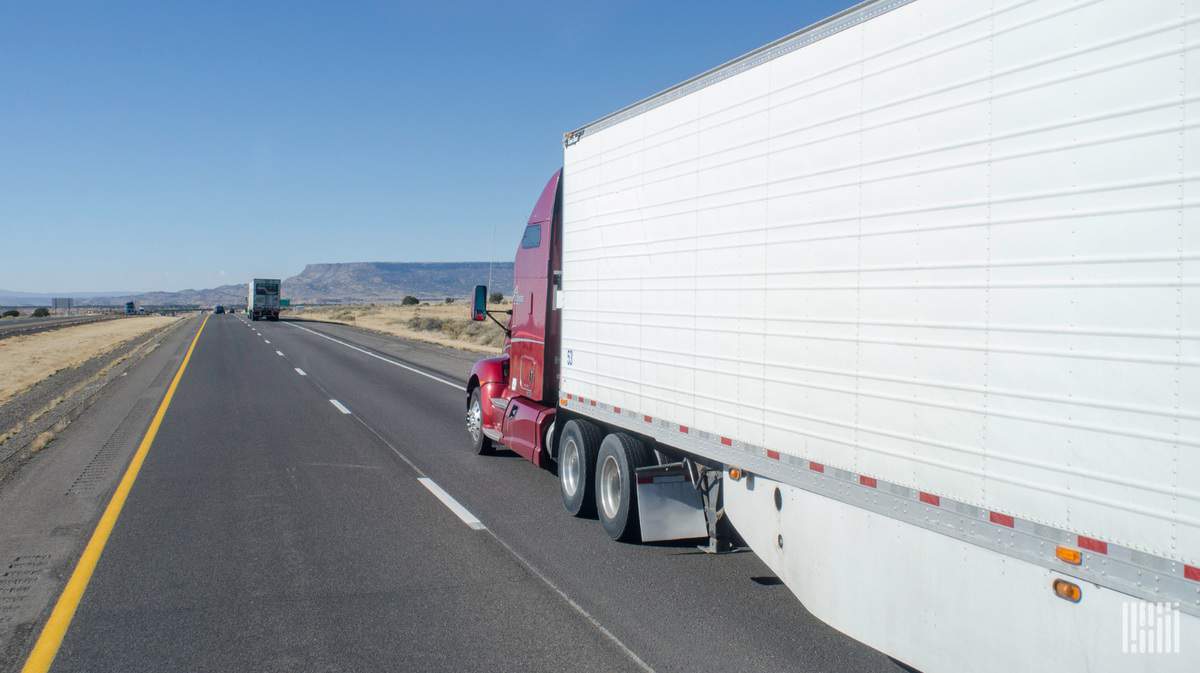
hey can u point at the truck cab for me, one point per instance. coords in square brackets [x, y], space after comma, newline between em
[511, 398]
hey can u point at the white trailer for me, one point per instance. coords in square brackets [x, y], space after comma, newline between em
[262, 299]
[924, 275]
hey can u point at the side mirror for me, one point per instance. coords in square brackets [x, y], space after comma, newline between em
[479, 306]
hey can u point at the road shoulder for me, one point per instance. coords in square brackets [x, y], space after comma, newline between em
[53, 502]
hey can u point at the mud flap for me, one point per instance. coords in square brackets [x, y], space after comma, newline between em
[669, 506]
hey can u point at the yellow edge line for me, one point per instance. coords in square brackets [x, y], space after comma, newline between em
[56, 627]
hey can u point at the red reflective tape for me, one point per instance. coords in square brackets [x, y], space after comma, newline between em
[683, 428]
[1098, 546]
[816, 467]
[593, 403]
[616, 410]
[867, 481]
[930, 499]
[1191, 572]
[647, 419]
[727, 441]
[645, 480]
[1000, 519]
[773, 455]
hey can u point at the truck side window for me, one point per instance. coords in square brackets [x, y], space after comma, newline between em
[532, 237]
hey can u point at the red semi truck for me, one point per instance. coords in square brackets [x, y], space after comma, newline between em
[905, 298]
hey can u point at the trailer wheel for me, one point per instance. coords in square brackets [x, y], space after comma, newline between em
[577, 447]
[480, 444]
[616, 492]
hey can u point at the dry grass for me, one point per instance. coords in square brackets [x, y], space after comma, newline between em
[26, 360]
[442, 324]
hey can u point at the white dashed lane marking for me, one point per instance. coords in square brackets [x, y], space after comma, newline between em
[452, 504]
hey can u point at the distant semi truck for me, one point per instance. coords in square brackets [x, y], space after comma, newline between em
[262, 299]
[130, 308]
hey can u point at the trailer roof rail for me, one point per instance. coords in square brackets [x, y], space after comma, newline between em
[816, 32]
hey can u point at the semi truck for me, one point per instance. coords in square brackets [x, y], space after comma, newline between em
[130, 308]
[907, 303]
[262, 299]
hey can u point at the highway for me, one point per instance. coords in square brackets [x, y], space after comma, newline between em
[14, 326]
[309, 504]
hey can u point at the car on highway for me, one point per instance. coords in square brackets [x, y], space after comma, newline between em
[218, 309]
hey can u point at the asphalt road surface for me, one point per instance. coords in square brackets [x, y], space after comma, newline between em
[310, 504]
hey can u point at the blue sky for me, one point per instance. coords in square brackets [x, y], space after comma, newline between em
[162, 146]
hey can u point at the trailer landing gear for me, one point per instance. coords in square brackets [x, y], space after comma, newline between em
[722, 537]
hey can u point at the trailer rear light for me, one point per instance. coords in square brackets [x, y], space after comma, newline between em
[1067, 591]
[735, 474]
[1072, 556]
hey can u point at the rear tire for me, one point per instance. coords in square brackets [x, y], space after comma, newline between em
[577, 448]
[616, 489]
[480, 444]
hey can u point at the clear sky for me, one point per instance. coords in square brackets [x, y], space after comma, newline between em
[159, 146]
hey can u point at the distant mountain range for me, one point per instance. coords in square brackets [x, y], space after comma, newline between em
[344, 283]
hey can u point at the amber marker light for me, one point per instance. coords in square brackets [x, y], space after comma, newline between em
[1067, 591]
[1068, 555]
[735, 473]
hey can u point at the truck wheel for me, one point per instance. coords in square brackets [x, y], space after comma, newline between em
[577, 447]
[480, 444]
[616, 493]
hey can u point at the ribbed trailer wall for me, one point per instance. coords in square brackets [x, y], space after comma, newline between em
[947, 245]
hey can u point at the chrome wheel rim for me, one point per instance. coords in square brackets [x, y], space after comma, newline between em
[475, 420]
[569, 467]
[610, 487]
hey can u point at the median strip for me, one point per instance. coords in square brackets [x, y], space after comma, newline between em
[452, 504]
[340, 407]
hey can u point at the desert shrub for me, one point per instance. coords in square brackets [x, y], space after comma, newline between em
[496, 298]
[426, 324]
[11, 313]
[409, 300]
[41, 312]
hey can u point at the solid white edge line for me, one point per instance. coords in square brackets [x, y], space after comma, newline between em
[340, 407]
[300, 372]
[379, 357]
[452, 504]
[279, 353]
[579, 609]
